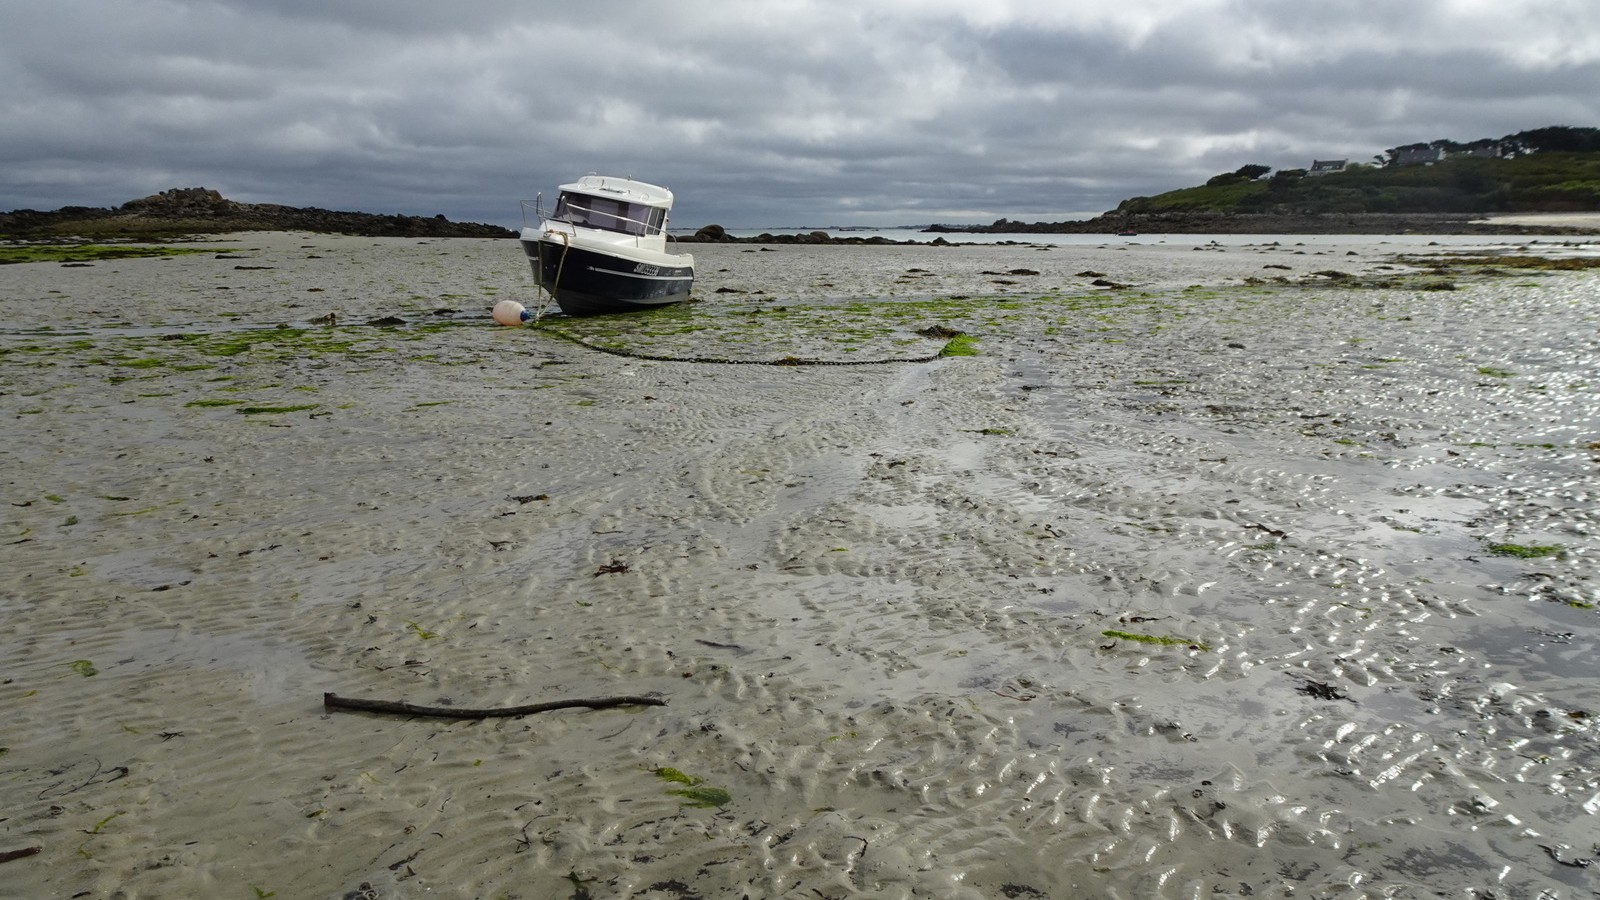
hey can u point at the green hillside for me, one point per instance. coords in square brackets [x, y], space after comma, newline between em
[1440, 187]
[1538, 182]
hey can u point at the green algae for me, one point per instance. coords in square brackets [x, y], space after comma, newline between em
[275, 410]
[823, 331]
[1158, 640]
[1569, 264]
[695, 790]
[666, 773]
[960, 345]
[147, 510]
[704, 796]
[1527, 551]
[82, 253]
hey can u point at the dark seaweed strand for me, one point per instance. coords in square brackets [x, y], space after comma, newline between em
[331, 700]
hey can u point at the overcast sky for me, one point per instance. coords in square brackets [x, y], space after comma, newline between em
[756, 112]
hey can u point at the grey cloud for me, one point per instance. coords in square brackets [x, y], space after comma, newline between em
[806, 112]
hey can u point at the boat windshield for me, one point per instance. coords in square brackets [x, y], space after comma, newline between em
[606, 213]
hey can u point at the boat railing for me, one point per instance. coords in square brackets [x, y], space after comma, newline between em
[646, 229]
[538, 209]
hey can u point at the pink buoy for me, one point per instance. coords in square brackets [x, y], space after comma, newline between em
[510, 312]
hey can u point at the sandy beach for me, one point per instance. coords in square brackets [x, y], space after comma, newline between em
[1258, 568]
[1584, 221]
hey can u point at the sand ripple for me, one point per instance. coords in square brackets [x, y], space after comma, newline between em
[1202, 588]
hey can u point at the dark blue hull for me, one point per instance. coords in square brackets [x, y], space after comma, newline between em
[587, 283]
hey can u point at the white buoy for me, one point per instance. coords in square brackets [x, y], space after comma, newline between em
[510, 312]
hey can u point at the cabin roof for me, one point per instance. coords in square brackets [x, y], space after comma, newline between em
[622, 187]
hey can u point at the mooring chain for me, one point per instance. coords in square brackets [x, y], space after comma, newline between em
[713, 360]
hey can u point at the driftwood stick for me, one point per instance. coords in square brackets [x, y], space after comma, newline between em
[331, 700]
[9, 855]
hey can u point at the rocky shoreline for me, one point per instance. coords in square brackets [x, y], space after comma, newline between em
[1211, 222]
[716, 234]
[1113, 223]
[205, 211]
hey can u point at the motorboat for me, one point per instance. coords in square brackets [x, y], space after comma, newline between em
[603, 249]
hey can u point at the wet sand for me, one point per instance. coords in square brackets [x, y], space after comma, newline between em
[1223, 578]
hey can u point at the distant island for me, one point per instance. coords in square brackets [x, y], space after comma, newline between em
[1437, 187]
[200, 210]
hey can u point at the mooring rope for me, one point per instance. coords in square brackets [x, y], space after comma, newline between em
[561, 266]
[550, 292]
[725, 361]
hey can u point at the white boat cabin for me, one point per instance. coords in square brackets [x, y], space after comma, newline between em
[614, 204]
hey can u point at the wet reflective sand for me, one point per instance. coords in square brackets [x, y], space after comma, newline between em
[1223, 578]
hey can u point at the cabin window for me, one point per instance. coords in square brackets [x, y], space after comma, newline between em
[611, 215]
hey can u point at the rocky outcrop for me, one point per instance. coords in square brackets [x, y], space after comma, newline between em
[710, 234]
[716, 234]
[183, 203]
[201, 210]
